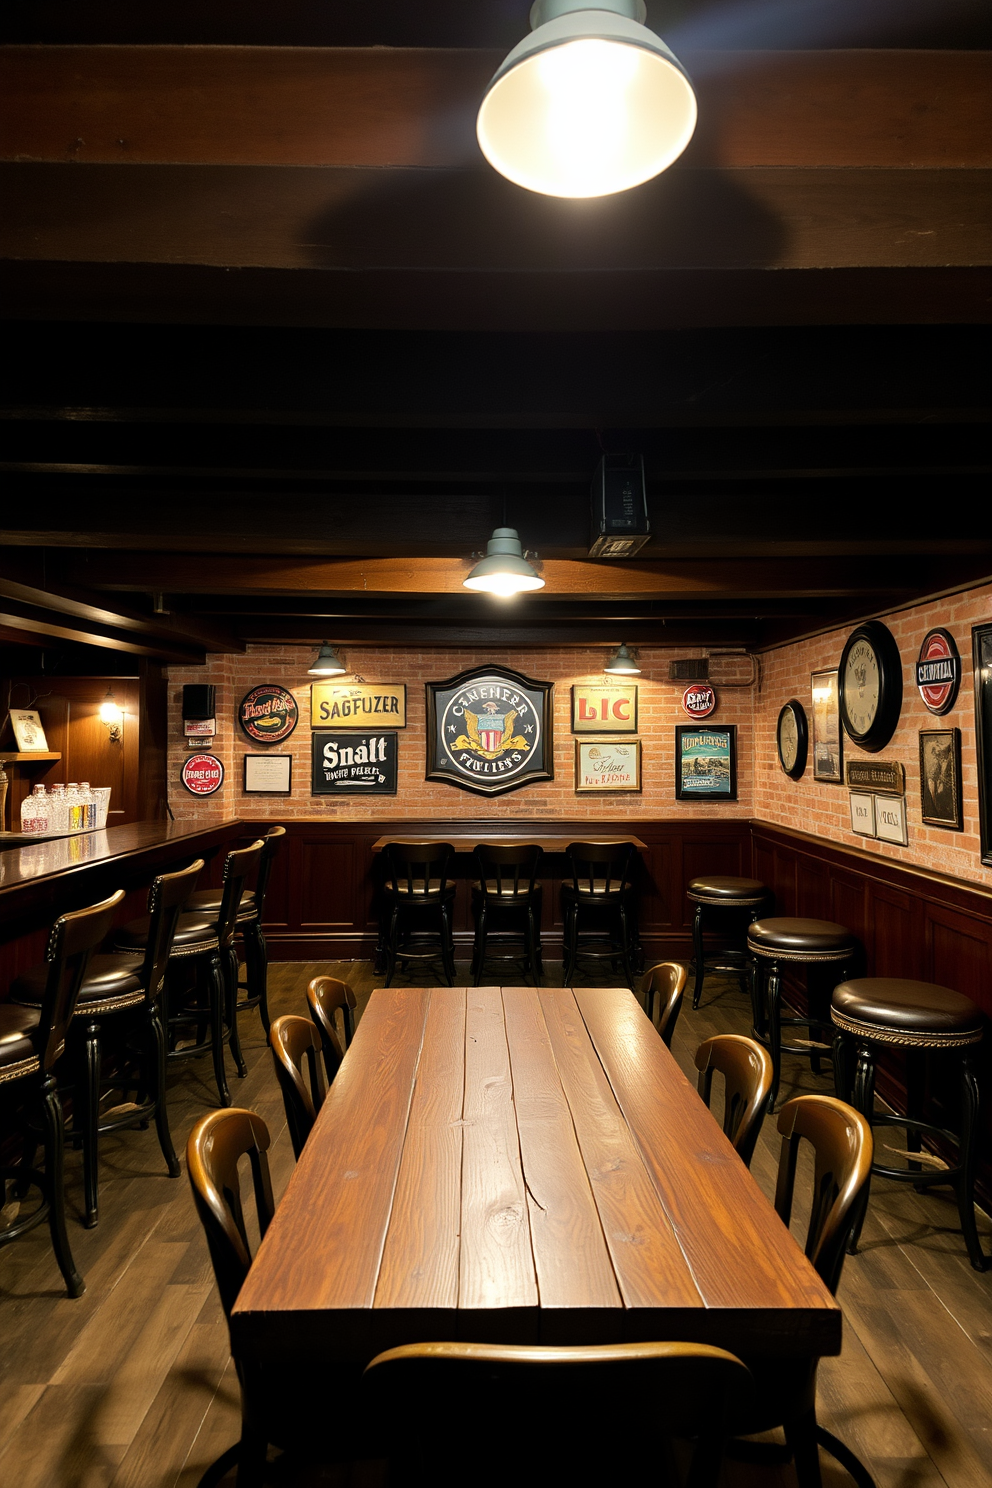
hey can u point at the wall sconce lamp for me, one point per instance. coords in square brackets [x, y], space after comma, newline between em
[327, 664]
[590, 103]
[112, 716]
[504, 571]
[622, 663]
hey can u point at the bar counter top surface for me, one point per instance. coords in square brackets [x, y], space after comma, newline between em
[50, 856]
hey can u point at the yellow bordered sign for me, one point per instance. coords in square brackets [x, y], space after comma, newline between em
[358, 705]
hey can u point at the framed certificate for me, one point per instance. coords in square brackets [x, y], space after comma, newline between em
[607, 765]
[268, 774]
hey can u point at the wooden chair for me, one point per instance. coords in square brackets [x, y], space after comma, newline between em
[295, 1043]
[600, 906]
[507, 891]
[251, 909]
[747, 1074]
[325, 995]
[418, 903]
[662, 990]
[786, 1393]
[31, 1042]
[652, 1391]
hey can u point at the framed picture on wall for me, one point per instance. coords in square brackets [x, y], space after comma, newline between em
[940, 778]
[828, 749]
[268, 774]
[890, 819]
[705, 763]
[981, 638]
[607, 765]
[29, 733]
[862, 814]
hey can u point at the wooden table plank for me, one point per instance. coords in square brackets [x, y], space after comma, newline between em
[573, 1263]
[420, 1258]
[320, 1259]
[497, 1262]
[741, 1256]
[649, 1264]
[468, 842]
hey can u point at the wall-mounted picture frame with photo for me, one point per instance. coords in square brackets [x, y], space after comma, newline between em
[828, 747]
[607, 765]
[940, 778]
[268, 774]
[705, 763]
[981, 640]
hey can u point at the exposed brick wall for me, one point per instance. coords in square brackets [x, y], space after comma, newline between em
[811, 806]
[659, 711]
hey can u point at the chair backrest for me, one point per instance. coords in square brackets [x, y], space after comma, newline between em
[418, 870]
[166, 897]
[842, 1145]
[658, 1389]
[601, 868]
[216, 1144]
[325, 995]
[271, 843]
[237, 866]
[747, 1073]
[73, 939]
[507, 870]
[662, 990]
[295, 1042]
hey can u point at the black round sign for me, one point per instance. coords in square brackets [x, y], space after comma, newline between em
[268, 714]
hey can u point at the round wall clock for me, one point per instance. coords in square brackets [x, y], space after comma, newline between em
[792, 736]
[870, 686]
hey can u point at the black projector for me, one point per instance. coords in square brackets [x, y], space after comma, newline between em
[620, 525]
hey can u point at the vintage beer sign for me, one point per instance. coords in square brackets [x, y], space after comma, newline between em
[358, 705]
[604, 708]
[938, 671]
[347, 764]
[705, 764]
[202, 774]
[699, 700]
[489, 730]
[268, 714]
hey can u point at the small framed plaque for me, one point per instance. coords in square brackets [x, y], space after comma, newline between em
[890, 819]
[607, 765]
[862, 814]
[29, 734]
[268, 774]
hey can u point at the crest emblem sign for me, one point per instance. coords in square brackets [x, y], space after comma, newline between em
[489, 730]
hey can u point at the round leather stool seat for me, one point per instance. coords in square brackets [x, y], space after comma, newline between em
[195, 932]
[891, 1010]
[208, 902]
[18, 1054]
[793, 939]
[717, 889]
[111, 983]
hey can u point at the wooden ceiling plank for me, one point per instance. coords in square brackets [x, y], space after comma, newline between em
[324, 106]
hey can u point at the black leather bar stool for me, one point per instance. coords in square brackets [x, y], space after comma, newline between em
[31, 1042]
[203, 943]
[507, 891]
[600, 904]
[112, 987]
[730, 899]
[795, 942]
[250, 915]
[418, 902]
[872, 1013]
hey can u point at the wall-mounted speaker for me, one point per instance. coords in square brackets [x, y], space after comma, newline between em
[198, 700]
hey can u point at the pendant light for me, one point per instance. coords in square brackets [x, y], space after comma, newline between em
[622, 663]
[592, 102]
[327, 664]
[504, 571]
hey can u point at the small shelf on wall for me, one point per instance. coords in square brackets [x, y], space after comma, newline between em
[25, 756]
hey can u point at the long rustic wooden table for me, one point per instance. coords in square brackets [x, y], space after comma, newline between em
[527, 1165]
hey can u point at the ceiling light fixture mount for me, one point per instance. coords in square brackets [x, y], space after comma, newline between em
[622, 663]
[590, 103]
[328, 663]
[504, 571]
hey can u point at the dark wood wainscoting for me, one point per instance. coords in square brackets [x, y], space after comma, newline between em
[322, 903]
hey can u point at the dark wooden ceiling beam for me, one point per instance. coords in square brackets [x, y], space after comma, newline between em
[321, 106]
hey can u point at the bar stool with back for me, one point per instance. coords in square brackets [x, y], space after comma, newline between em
[418, 905]
[507, 890]
[126, 988]
[31, 1042]
[601, 904]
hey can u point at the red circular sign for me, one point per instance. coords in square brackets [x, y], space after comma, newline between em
[699, 700]
[938, 671]
[202, 774]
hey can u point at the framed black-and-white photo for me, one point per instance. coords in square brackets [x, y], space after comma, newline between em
[705, 763]
[890, 819]
[828, 748]
[268, 774]
[352, 764]
[981, 638]
[940, 778]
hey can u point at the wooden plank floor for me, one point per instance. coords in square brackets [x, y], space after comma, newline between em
[132, 1386]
